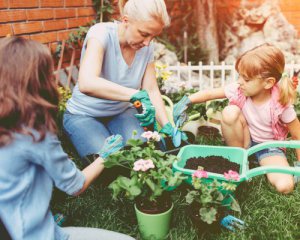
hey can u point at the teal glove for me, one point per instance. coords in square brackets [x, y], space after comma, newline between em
[146, 113]
[175, 133]
[112, 144]
[179, 114]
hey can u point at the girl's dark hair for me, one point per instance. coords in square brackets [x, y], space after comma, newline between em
[28, 93]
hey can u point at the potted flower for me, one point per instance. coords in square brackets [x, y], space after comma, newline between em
[211, 200]
[151, 179]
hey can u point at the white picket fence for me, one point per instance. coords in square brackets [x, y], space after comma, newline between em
[212, 71]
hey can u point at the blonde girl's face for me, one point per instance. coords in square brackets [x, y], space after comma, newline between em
[251, 87]
[139, 34]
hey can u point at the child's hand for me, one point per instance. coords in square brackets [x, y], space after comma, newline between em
[179, 114]
[112, 144]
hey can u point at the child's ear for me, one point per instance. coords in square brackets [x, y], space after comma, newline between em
[269, 82]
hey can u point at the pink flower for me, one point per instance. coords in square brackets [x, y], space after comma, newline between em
[156, 136]
[151, 136]
[200, 174]
[147, 135]
[232, 175]
[143, 165]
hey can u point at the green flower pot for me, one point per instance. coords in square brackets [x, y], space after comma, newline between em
[154, 226]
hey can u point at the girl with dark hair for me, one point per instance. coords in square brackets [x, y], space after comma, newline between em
[31, 157]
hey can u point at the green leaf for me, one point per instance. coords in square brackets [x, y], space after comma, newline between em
[134, 191]
[189, 198]
[234, 205]
[151, 184]
[208, 215]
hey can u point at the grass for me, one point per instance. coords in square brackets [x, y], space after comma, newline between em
[268, 214]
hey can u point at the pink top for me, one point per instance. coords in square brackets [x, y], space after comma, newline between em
[259, 116]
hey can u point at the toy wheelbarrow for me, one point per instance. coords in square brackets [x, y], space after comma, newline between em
[236, 155]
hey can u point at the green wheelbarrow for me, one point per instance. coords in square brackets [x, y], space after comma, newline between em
[236, 155]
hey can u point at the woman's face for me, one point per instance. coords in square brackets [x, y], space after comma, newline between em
[139, 34]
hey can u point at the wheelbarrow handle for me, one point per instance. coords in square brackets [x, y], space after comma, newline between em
[272, 169]
[285, 144]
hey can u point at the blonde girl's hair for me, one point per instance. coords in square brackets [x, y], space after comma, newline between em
[267, 61]
[28, 94]
[145, 10]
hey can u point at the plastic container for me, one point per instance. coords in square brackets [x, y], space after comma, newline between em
[233, 154]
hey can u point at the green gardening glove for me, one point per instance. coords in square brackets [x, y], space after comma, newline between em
[177, 135]
[146, 113]
[179, 114]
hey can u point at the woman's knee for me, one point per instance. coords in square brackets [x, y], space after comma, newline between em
[230, 114]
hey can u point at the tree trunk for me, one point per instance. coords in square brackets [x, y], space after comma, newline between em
[207, 28]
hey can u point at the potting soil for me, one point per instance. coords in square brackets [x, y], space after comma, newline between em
[214, 164]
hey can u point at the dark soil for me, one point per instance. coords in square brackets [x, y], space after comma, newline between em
[208, 131]
[215, 164]
[204, 227]
[169, 144]
[162, 204]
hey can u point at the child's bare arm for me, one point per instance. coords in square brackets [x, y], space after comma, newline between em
[91, 172]
[294, 129]
[206, 95]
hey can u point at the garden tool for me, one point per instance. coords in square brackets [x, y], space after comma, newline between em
[232, 223]
[146, 112]
[139, 107]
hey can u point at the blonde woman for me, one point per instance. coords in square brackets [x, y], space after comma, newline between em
[116, 69]
[261, 109]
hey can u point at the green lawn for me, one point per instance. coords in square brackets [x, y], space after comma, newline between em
[268, 214]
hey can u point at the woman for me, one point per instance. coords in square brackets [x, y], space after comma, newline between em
[116, 62]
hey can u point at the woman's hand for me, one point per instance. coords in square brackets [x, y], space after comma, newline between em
[177, 135]
[146, 111]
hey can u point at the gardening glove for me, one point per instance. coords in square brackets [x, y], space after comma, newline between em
[179, 114]
[174, 132]
[59, 219]
[232, 223]
[146, 111]
[111, 144]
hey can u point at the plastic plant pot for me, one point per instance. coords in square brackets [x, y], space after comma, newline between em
[154, 226]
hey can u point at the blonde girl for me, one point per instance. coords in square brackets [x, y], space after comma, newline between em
[260, 108]
[31, 157]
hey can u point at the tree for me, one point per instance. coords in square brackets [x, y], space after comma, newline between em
[205, 15]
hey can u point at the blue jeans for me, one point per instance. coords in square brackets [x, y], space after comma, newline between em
[88, 134]
[274, 151]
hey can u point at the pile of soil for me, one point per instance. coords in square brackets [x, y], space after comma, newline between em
[208, 131]
[215, 164]
[161, 205]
